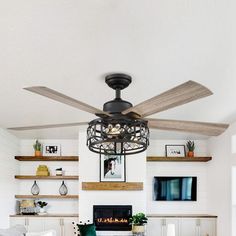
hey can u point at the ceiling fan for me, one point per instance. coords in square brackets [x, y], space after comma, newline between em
[122, 128]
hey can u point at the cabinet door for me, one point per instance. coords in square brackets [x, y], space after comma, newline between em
[35, 224]
[175, 222]
[53, 223]
[155, 227]
[18, 221]
[207, 227]
[68, 227]
[189, 227]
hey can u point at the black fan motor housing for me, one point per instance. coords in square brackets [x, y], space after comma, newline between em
[116, 106]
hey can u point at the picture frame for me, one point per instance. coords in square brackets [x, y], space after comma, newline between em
[112, 168]
[51, 149]
[175, 150]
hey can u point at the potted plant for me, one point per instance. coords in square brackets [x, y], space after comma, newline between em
[37, 148]
[138, 221]
[41, 206]
[191, 146]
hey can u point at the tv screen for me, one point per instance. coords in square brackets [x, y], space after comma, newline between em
[175, 188]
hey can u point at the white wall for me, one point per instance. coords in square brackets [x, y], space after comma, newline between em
[9, 147]
[68, 147]
[89, 171]
[214, 178]
[219, 180]
[157, 148]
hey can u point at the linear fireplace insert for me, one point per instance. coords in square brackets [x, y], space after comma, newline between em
[112, 217]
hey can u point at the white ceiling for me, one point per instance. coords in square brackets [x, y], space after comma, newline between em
[70, 45]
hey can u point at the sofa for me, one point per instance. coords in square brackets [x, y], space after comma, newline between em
[17, 230]
[20, 230]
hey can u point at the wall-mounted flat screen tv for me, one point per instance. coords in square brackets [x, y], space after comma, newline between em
[174, 188]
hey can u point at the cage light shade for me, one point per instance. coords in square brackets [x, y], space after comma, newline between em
[117, 136]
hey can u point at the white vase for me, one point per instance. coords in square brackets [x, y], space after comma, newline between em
[42, 210]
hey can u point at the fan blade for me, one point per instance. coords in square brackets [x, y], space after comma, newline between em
[177, 96]
[47, 126]
[54, 95]
[209, 129]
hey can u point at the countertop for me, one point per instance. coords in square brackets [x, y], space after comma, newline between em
[47, 215]
[181, 216]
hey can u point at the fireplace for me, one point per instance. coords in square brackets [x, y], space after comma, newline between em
[112, 217]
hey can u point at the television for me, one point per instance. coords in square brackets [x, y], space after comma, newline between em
[174, 188]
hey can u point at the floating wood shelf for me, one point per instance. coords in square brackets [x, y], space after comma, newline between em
[65, 177]
[47, 158]
[126, 186]
[180, 159]
[48, 196]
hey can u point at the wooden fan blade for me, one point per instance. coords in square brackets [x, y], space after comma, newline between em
[59, 97]
[47, 126]
[209, 129]
[177, 96]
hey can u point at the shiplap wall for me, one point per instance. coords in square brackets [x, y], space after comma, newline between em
[9, 147]
[157, 148]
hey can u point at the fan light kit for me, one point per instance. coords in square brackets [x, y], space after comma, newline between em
[122, 128]
[118, 134]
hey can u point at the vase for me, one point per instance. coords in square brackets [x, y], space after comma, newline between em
[190, 154]
[37, 153]
[42, 210]
[138, 230]
[63, 189]
[35, 189]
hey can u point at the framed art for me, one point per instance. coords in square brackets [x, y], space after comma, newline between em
[175, 151]
[112, 168]
[51, 149]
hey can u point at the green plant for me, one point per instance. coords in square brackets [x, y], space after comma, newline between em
[37, 146]
[42, 204]
[190, 145]
[138, 219]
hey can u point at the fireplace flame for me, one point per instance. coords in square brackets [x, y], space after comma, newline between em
[111, 220]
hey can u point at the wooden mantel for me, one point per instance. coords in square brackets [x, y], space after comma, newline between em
[113, 186]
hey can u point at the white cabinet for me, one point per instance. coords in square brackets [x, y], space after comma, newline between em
[159, 226]
[34, 225]
[18, 221]
[62, 225]
[168, 222]
[184, 226]
[68, 227]
[207, 227]
[189, 227]
[155, 227]
[53, 223]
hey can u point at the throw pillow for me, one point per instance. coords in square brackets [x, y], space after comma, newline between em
[87, 230]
